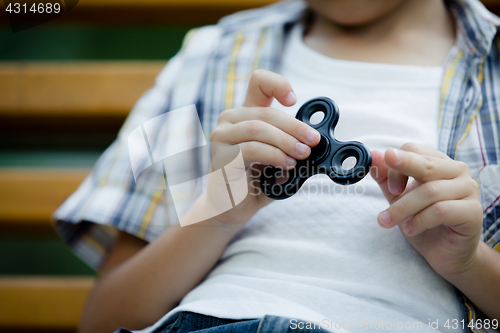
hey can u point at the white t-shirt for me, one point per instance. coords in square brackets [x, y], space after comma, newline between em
[320, 256]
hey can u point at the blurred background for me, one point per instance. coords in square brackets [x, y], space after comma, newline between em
[66, 87]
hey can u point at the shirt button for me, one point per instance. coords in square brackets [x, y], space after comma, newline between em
[468, 98]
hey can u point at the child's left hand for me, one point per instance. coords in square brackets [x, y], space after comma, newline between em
[438, 212]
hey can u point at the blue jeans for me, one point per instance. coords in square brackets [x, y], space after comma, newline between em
[194, 322]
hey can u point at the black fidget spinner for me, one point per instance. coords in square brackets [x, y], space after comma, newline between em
[326, 158]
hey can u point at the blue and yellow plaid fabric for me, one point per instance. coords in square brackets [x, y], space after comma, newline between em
[212, 70]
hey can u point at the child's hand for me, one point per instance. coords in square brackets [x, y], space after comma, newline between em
[439, 212]
[265, 135]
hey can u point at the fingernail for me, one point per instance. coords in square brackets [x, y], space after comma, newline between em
[301, 148]
[393, 189]
[407, 228]
[290, 161]
[385, 217]
[312, 135]
[290, 98]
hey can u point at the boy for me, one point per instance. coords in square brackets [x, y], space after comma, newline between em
[399, 70]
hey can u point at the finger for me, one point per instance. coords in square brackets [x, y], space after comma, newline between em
[277, 118]
[256, 130]
[424, 168]
[379, 171]
[422, 197]
[462, 216]
[423, 150]
[396, 181]
[266, 154]
[265, 85]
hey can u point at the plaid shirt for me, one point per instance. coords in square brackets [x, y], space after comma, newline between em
[212, 71]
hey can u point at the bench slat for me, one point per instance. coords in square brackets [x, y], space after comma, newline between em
[42, 302]
[29, 196]
[74, 89]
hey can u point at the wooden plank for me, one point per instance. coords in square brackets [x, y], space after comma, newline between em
[42, 302]
[29, 196]
[74, 89]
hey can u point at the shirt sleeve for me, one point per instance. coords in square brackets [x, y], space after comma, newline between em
[489, 184]
[108, 200]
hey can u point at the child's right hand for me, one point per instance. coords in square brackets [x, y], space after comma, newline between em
[265, 135]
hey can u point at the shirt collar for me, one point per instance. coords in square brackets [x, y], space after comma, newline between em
[476, 26]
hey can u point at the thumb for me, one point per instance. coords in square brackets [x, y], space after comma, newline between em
[264, 86]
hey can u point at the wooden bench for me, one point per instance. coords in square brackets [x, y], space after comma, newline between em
[32, 303]
[74, 89]
[33, 95]
[28, 196]
[47, 93]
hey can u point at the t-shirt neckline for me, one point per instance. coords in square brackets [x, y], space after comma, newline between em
[315, 62]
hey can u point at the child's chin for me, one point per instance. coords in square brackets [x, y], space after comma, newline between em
[352, 13]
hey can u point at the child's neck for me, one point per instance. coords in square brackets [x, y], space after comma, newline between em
[418, 32]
